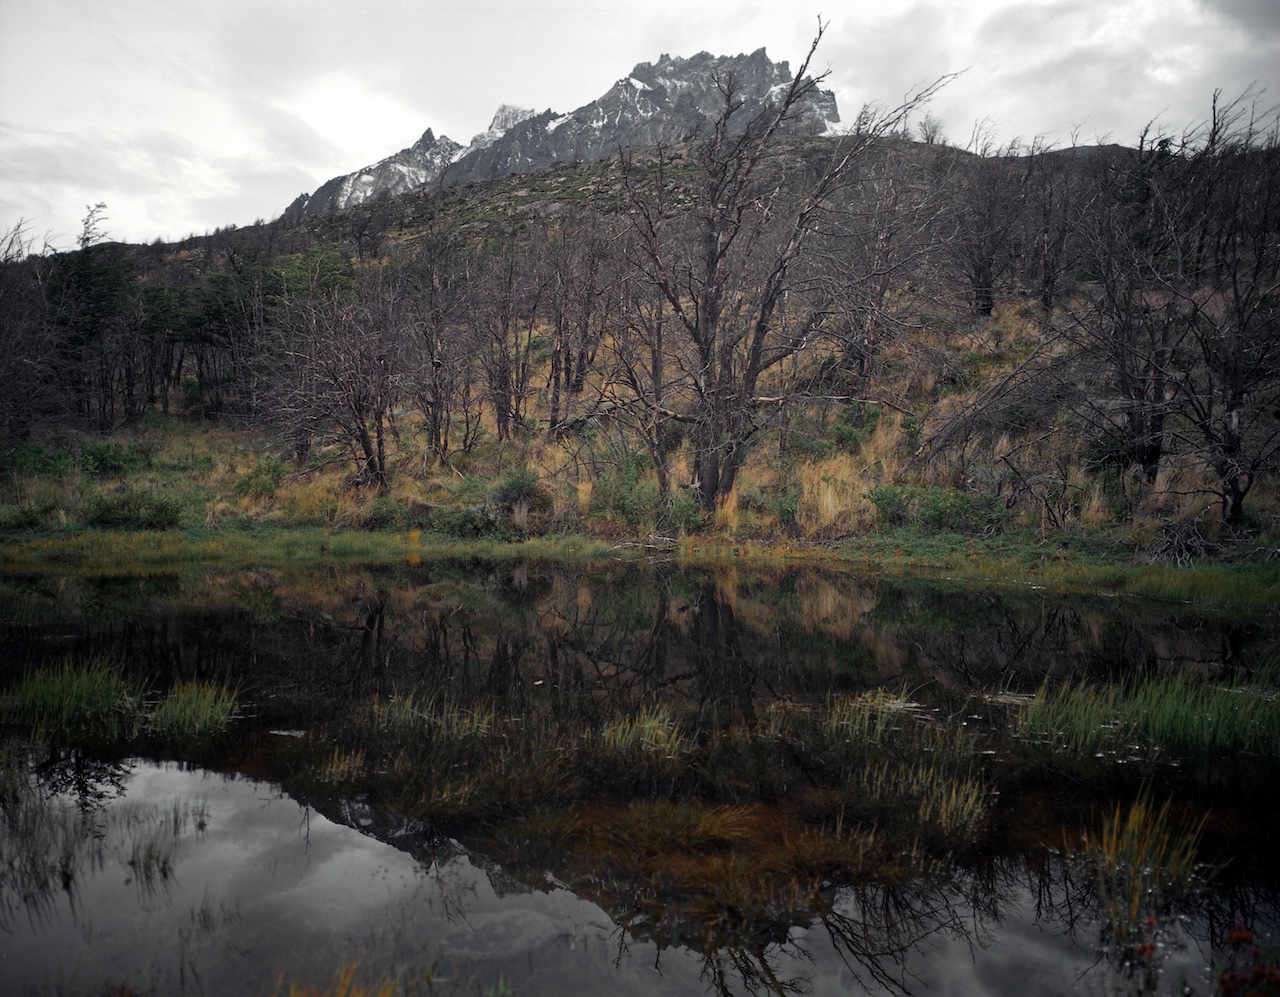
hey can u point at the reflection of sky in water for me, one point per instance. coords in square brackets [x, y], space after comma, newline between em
[271, 887]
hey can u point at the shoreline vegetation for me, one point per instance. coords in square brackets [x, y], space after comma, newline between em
[1010, 563]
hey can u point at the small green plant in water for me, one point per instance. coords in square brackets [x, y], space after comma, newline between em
[1190, 719]
[1140, 857]
[192, 708]
[77, 700]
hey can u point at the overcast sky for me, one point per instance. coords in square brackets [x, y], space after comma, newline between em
[184, 116]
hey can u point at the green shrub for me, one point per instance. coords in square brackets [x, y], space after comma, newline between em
[134, 510]
[937, 510]
[384, 513]
[626, 491]
[682, 512]
[263, 480]
[893, 506]
[517, 485]
[113, 460]
[32, 459]
[473, 522]
[853, 426]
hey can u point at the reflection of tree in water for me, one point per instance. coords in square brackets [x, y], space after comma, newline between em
[49, 831]
[75, 773]
[630, 634]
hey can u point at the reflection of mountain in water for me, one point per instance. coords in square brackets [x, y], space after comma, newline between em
[1003, 926]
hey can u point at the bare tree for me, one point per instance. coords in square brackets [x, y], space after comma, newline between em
[339, 373]
[445, 369]
[985, 190]
[504, 309]
[1229, 285]
[728, 279]
[581, 294]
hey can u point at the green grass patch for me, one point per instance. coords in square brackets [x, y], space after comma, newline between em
[193, 708]
[1162, 715]
[90, 700]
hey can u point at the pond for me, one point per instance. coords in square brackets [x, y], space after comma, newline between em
[487, 778]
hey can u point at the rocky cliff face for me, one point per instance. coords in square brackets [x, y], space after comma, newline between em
[668, 101]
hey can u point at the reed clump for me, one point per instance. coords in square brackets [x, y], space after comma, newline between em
[650, 828]
[95, 701]
[91, 699]
[192, 708]
[346, 982]
[1141, 857]
[1185, 718]
[654, 731]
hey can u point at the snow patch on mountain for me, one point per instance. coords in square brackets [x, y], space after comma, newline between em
[664, 102]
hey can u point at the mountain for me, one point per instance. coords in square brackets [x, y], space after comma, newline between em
[664, 102]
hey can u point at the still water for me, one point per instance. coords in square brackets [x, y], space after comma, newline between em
[233, 866]
[268, 886]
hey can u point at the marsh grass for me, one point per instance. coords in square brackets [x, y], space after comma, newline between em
[923, 796]
[868, 717]
[1196, 719]
[346, 982]
[654, 731]
[650, 828]
[343, 765]
[445, 761]
[89, 700]
[192, 708]
[93, 701]
[1140, 858]
[439, 716]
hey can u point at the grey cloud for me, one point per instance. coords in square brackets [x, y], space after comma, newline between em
[1257, 16]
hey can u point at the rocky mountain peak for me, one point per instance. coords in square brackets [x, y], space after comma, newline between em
[666, 102]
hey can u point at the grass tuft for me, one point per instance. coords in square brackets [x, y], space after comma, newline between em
[192, 708]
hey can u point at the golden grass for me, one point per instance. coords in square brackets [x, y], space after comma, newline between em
[345, 983]
[1141, 854]
[727, 518]
[833, 497]
[654, 730]
[342, 765]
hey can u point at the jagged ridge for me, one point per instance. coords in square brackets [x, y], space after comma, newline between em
[663, 102]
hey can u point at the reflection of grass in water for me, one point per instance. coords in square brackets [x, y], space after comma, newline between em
[1169, 714]
[345, 983]
[44, 843]
[48, 844]
[1140, 857]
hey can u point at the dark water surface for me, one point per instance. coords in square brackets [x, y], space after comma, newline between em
[271, 886]
[264, 867]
